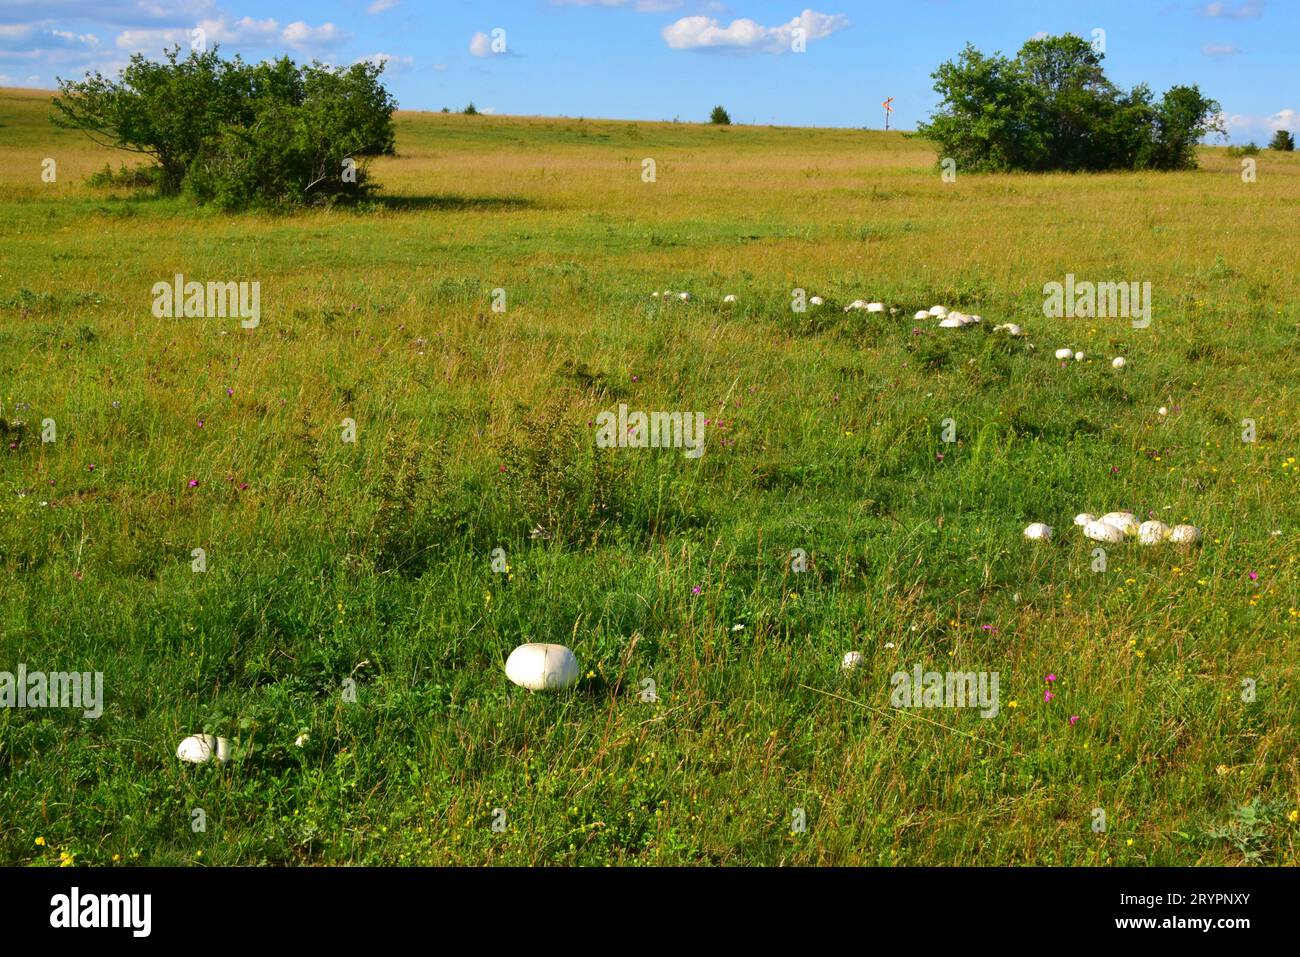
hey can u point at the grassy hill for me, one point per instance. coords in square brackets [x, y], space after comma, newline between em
[371, 562]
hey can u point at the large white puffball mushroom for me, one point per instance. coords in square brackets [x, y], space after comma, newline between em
[198, 748]
[951, 322]
[542, 667]
[922, 315]
[875, 307]
[1079, 357]
[1039, 532]
[1010, 328]
[855, 305]
[852, 660]
[1124, 521]
[1119, 362]
[1152, 533]
[728, 298]
[938, 311]
[817, 301]
[1163, 411]
[684, 296]
[1065, 353]
[1083, 518]
[1185, 535]
[1102, 532]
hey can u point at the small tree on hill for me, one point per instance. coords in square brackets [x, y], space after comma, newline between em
[470, 110]
[238, 134]
[1052, 108]
[1282, 140]
[719, 117]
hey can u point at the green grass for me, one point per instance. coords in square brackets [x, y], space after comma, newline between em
[372, 561]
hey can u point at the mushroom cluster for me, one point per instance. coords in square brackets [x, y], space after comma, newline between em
[948, 319]
[1116, 526]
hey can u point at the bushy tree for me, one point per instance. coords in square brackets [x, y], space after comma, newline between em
[1283, 141]
[719, 117]
[1052, 108]
[238, 134]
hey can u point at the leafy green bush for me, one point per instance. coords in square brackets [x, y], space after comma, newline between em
[720, 117]
[238, 134]
[1052, 108]
[1282, 141]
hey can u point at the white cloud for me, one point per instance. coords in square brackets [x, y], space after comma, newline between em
[392, 64]
[480, 44]
[244, 32]
[379, 6]
[300, 35]
[32, 82]
[706, 33]
[1244, 126]
[1219, 49]
[1244, 10]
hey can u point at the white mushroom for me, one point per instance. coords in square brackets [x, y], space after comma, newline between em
[939, 311]
[852, 660]
[1083, 518]
[856, 304]
[1039, 532]
[921, 316]
[875, 307]
[1079, 357]
[684, 296]
[1064, 353]
[728, 298]
[951, 322]
[1152, 533]
[1185, 535]
[1124, 521]
[817, 301]
[1163, 411]
[198, 748]
[1119, 362]
[1102, 532]
[1010, 328]
[542, 667]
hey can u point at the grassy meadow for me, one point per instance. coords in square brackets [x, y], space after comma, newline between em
[371, 561]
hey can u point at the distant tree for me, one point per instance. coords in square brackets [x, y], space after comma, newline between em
[719, 117]
[1052, 108]
[1250, 149]
[1282, 140]
[470, 110]
[445, 110]
[238, 134]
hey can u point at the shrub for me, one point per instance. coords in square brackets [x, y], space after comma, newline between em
[470, 110]
[1052, 108]
[238, 134]
[1250, 149]
[135, 177]
[719, 117]
[1283, 141]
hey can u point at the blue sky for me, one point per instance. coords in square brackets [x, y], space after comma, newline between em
[660, 59]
